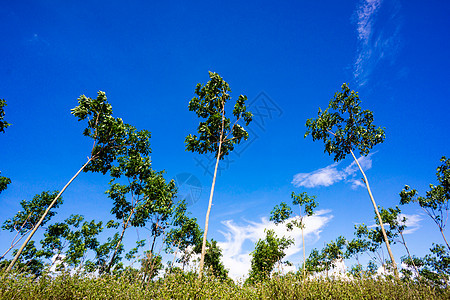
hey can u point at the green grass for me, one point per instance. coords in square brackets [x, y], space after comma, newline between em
[187, 286]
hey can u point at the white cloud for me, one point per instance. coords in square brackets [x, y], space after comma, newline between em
[325, 176]
[412, 222]
[330, 174]
[375, 42]
[236, 249]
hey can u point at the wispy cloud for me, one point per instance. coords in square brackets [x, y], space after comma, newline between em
[412, 223]
[331, 174]
[376, 40]
[240, 239]
[324, 176]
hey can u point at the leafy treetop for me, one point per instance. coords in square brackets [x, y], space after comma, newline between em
[112, 137]
[344, 126]
[216, 129]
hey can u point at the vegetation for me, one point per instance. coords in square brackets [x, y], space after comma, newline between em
[4, 181]
[344, 127]
[436, 202]
[283, 212]
[268, 252]
[188, 286]
[78, 258]
[216, 134]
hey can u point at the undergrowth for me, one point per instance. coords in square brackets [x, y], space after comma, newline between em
[187, 286]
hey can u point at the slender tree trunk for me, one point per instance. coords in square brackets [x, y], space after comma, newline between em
[304, 255]
[443, 235]
[303, 243]
[119, 242]
[202, 258]
[14, 243]
[175, 255]
[42, 218]
[409, 254]
[153, 244]
[394, 265]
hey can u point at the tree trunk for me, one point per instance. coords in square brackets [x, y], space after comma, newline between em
[409, 254]
[43, 217]
[394, 265]
[119, 241]
[443, 235]
[303, 243]
[202, 258]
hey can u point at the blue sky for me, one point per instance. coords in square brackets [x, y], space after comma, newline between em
[289, 58]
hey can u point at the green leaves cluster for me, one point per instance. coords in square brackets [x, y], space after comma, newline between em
[216, 128]
[327, 257]
[4, 181]
[71, 239]
[282, 212]
[112, 137]
[32, 210]
[139, 193]
[344, 126]
[3, 123]
[436, 201]
[267, 253]
[185, 234]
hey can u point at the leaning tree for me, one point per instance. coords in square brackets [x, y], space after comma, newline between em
[110, 140]
[345, 127]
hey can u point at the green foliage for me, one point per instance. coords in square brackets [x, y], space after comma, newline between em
[30, 262]
[103, 253]
[267, 253]
[150, 266]
[72, 238]
[344, 126]
[326, 259]
[180, 285]
[436, 201]
[280, 213]
[26, 219]
[3, 124]
[132, 253]
[145, 196]
[109, 133]
[185, 234]
[303, 199]
[283, 212]
[434, 267]
[213, 263]
[4, 181]
[217, 129]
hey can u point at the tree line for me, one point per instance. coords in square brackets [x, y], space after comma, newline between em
[142, 197]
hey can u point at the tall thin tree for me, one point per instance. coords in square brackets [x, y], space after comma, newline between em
[216, 134]
[345, 127]
[108, 134]
[283, 212]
